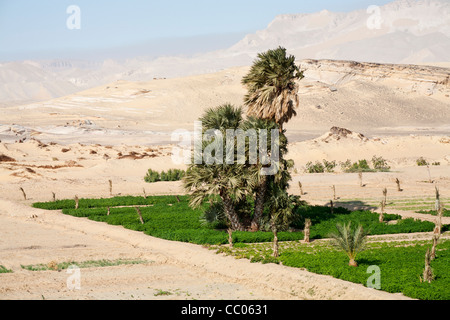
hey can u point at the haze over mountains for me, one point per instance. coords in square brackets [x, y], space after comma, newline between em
[402, 32]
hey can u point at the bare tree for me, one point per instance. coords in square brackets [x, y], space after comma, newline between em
[140, 214]
[301, 188]
[307, 230]
[23, 193]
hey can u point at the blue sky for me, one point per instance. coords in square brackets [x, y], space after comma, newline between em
[36, 29]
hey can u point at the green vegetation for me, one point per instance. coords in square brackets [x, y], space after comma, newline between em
[169, 219]
[4, 270]
[378, 165]
[171, 175]
[421, 162]
[446, 213]
[351, 241]
[109, 202]
[82, 265]
[401, 264]
[318, 167]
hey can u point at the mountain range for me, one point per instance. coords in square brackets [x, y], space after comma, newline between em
[401, 32]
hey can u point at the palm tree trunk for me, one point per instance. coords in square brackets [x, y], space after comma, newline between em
[353, 263]
[231, 214]
[275, 240]
[259, 204]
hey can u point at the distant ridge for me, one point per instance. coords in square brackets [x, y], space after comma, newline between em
[401, 32]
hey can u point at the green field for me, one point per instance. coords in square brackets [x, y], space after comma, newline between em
[401, 264]
[169, 219]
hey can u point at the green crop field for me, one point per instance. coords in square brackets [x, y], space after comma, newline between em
[169, 219]
[401, 264]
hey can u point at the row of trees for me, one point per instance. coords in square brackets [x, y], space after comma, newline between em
[251, 199]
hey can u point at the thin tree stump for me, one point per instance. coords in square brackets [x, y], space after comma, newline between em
[334, 192]
[433, 249]
[230, 237]
[77, 203]
[110, 188]
[54, 197]
[109, 211]
[145, 194]
[140, 214]
[360, 175]
[23, 193]
[399, 188]
[385, 192]
[301, 188]
[428, 271]
[307, 230]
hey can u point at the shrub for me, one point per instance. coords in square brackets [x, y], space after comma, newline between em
[171, 175]
[380, 164]
[315, 168]
[318, 167]
[421, 162]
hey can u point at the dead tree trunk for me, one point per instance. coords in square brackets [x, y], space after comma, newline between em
[23, 193]
[110, 188]
[360, 175]
[109, 211]
[230, 237]
[276, 253]
[428, 271]
[307, 230]
[334, 192]
[301, 188]
[383, 206]
[145, 194]
[433, 249]
[77, 203]
[140, 214]
[54, 197]
[399, 188]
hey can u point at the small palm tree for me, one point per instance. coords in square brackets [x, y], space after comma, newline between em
[231, 182]
[352, 241]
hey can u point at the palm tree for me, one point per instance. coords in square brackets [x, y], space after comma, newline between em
[257, 124]
[349, 240]
[272, 90]
[273, 96]
[231, 182]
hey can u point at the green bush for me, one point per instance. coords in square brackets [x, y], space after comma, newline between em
[318, 167]
[360, 166]
[171, 175]
[421, 162]
[380, 164]
[4, 270]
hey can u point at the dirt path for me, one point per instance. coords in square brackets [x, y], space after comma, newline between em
[184, 271]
